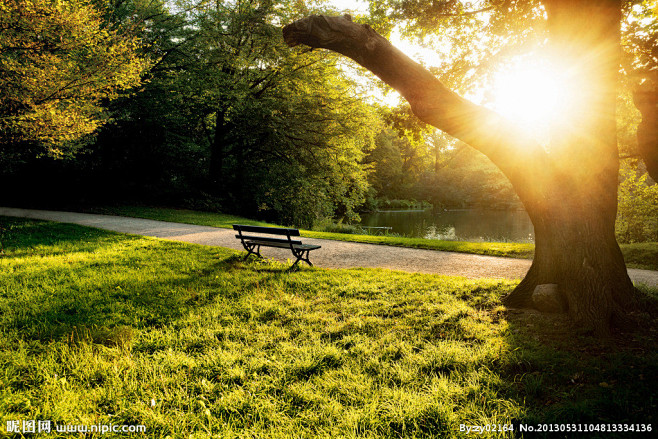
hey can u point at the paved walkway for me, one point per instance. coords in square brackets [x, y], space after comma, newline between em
[334, 254]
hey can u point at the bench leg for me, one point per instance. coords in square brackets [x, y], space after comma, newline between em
[250, 250]
[299, 254]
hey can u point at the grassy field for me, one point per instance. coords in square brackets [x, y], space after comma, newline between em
[189, 341]
[640, 255]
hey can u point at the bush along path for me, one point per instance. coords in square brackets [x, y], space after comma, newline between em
[334, 254]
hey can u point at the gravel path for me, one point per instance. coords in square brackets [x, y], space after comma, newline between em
[333, 254]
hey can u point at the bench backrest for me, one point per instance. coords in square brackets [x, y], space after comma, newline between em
[269, 230]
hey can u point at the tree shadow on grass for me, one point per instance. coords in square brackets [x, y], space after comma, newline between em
[551, 371]
[20, 236]
[98, 299]
[568, 378]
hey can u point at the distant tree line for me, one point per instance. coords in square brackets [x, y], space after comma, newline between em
[412, 162]
[216, 111]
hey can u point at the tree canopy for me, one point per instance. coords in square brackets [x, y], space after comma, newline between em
[60, 62]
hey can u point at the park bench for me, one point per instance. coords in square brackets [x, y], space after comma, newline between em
[254, 241]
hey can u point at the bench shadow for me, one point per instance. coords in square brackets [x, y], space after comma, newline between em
[266, 264]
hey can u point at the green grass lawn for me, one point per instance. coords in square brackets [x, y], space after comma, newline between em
[640, 255]
[189, 341]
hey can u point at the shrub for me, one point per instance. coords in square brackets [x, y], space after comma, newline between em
[331, 226]
[637, 214]
[387, 204]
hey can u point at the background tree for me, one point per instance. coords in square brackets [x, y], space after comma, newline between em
[640, 66]
[284, 140]
[637, 220]
[228, 118]
[60, 63]
[413, 161]
[569, 191]
[401, 154]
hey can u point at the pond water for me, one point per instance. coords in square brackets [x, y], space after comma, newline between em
[462, 225]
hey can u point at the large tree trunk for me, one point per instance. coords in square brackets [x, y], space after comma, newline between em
[569, 192]
[574, 224]
[576, 248]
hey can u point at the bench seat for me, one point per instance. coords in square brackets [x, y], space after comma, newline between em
[299, 246]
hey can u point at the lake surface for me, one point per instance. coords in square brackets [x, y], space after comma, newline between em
[463, 225]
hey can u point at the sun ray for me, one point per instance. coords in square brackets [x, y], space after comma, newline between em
[535, 95]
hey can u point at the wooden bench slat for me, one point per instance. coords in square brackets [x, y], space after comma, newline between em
[269, 244]
[266, 239]
[268, 230]
[283, 244]
[307, 247]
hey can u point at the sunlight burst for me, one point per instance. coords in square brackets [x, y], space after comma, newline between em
[533, 95]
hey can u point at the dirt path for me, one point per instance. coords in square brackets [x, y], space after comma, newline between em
[333, 254]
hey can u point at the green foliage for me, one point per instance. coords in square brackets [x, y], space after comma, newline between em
[229, 115]
[413, 161]
[232, 113]
[386, 204]
[473, 38]
[466, 178]
[639, 38]
[187, 340]
[437, 170]
[60, 63]
[398, 163]
[637, 215]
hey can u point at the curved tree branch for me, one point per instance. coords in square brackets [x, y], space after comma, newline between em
[520, 157]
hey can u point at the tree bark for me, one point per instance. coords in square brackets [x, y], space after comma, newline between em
[569, 192]
[576, 248]
[574, 229]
